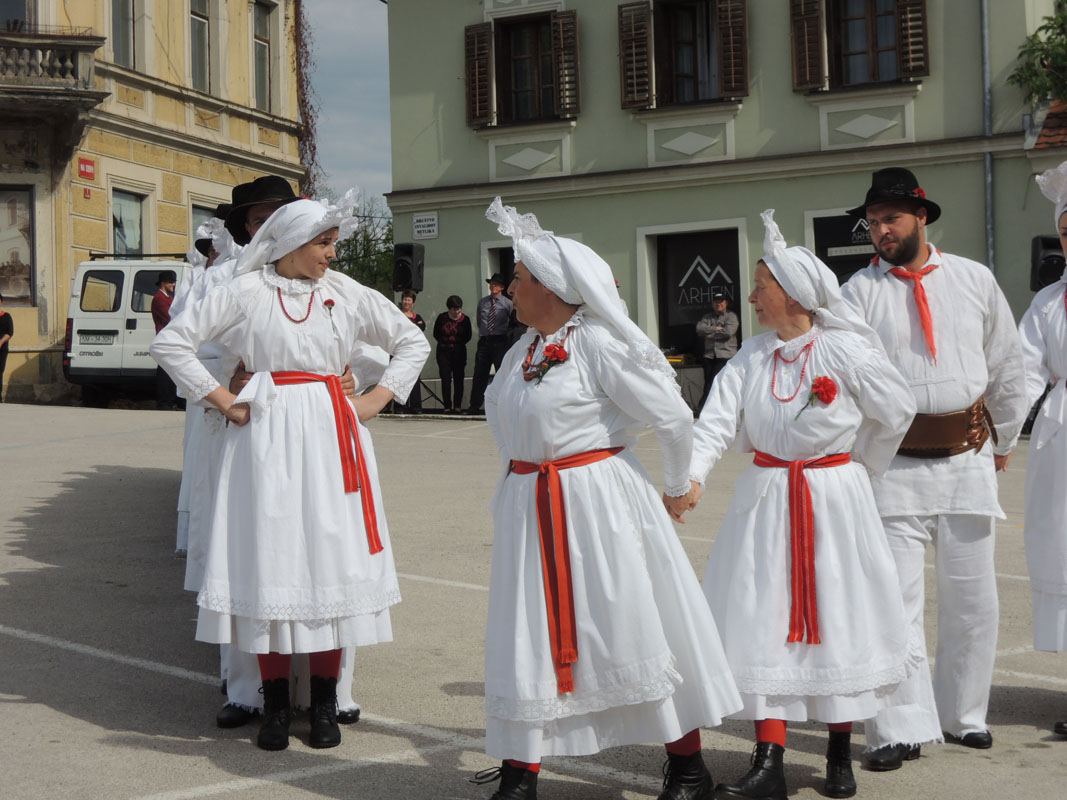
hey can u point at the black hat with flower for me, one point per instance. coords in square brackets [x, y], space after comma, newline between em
[896, 183]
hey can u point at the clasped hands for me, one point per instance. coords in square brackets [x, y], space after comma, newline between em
[677, 506]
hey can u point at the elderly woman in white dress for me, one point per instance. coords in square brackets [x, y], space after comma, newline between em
[1043, 330]
[598, 635]
[800, 579]
[298, 558]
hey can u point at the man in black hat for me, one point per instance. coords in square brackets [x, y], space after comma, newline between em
[718, 331]
[254, 202]
[494, 311]
[166, 391]
[948, 329]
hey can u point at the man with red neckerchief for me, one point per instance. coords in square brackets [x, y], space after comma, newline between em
[947, 327]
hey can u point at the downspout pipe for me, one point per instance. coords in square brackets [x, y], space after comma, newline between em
[987, 130]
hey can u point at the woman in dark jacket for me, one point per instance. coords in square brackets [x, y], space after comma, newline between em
[452, 330]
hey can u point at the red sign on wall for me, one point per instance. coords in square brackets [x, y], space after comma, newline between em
[87, 168]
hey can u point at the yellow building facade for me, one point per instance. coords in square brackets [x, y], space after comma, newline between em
[123, 123]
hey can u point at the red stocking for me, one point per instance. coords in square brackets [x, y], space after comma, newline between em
[771, 730]
[326, 664]
[686, 746]
[534, 768]
[274, 665]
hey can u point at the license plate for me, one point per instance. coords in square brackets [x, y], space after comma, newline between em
[96, 338]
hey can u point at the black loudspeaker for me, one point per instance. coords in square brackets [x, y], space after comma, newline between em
[1046, 261]
[408, 262]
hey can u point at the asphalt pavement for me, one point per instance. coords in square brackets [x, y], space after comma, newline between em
[105, 694]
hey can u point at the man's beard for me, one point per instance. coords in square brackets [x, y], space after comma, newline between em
[907, 249]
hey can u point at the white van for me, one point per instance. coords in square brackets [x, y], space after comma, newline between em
[109, 323]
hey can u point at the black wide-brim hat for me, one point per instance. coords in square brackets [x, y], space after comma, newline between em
[892, 184]
[497, 278]
[268, 189]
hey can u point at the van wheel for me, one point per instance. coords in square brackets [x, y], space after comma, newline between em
[95, 396]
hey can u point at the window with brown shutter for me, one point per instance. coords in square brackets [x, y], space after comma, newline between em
[478, 51]
[841, 43]
[635, 55]
[809, 45]
[675, 52]
[528, 65]
[565, 58]
[732, 27]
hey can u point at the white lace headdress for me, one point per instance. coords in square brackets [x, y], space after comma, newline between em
[577, 275]
[810, 282]
[205, 230]
[1053, 184]
[294, 225]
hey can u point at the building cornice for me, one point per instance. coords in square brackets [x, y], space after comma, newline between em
[793, 165]
[139, 80]
[228, 154]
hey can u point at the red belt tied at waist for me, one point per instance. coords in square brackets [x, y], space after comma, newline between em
[353, 465]
[556, 557]
[804, 612]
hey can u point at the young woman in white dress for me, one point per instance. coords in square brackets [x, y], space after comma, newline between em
[1043, 330]
[598, 634]
[298, 557]
[800, 579]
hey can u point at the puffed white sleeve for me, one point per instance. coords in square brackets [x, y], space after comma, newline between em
[720, 419]
[653, 399]
[887, 403]
[1005, 393]
[1034, 347]
[384, 325]
[175, 347]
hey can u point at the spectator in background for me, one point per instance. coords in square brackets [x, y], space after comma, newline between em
[407, 305]
[494, 313]
[166, 392]
[7, 330]
[719, 332]
[452, 330]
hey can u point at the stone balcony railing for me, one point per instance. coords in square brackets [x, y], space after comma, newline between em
[43, 58]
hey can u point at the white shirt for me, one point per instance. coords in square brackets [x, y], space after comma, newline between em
[978, 354]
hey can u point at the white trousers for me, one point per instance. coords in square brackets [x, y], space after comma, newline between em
[241, 671]
[967, 616]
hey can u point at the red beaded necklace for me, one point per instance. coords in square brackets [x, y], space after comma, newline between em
[293, 319]
[806, 351]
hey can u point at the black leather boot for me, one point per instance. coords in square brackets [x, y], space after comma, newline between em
[516, 783]
[274, 732]
[840, 782]
[686, 778]
[324, 729]
[766, 779]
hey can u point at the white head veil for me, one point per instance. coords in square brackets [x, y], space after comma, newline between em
[294, 225]
[810, 282]
[1053, 183]
[205, 230]
[577, 275]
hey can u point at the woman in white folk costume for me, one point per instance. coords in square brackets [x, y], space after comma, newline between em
[1043, 331]
[597, 635]
[298, 556]
[800, 579]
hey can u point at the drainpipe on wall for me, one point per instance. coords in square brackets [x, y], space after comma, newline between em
[987, 126]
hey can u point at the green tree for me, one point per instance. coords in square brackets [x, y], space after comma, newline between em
[1042, 68]
[368, 255]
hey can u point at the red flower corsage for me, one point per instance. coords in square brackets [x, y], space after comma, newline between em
[823, 389]
[919, 192]
[328, 304]
[554, 354]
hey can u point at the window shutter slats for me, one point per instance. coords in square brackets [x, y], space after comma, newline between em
[565, 55]
[913, 49]
[635, 55]
[809, 44]
[478, 52]
[732, 27]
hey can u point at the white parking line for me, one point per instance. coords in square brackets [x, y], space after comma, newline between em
[442, 582]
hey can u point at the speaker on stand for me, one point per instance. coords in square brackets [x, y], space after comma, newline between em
[409, 261]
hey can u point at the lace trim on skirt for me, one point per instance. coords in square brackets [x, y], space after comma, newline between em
[352, 607]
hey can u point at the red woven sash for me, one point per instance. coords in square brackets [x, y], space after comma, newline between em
[804, 613]
[556, 558]
[353, 465]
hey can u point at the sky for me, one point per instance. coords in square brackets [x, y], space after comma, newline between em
[351, 79]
